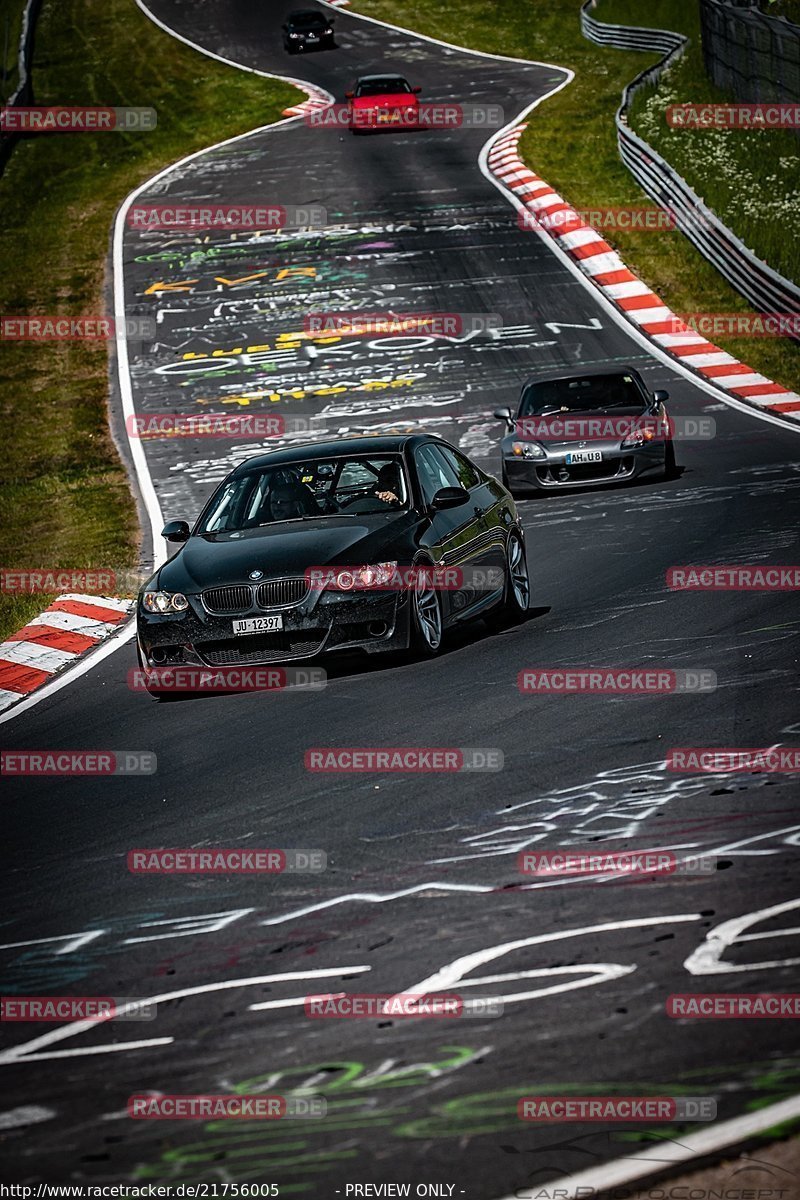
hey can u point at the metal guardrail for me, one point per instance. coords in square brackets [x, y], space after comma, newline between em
[24, 93]
[762, 287]
[628, 37]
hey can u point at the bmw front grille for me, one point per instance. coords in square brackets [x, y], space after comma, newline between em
[240, 597]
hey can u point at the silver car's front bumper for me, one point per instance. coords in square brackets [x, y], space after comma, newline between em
[554, 471]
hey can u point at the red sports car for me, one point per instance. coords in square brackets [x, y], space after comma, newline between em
[383, 102]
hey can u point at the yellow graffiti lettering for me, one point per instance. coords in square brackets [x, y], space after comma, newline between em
[244, 278]
[155, 288]
[288, 272]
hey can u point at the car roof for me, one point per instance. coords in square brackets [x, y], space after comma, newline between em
[393, 443]
[306, 12]
[583, 373]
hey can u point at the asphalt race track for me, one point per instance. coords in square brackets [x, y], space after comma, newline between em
[422, 869]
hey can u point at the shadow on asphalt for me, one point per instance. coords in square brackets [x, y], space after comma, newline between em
[353, 666]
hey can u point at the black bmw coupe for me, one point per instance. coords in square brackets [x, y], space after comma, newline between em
[308, 29]
[368, 543]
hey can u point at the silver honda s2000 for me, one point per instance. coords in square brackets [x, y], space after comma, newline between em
[577, 431]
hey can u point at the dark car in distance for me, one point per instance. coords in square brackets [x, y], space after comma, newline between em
[595, 426]
[308, 29]
[365, 543]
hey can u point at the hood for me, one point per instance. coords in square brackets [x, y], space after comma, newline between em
[560, 427]
[286, 548]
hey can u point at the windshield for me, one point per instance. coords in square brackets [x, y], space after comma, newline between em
[315, 487]
[307, 20]
[591, 392]
[382, 87]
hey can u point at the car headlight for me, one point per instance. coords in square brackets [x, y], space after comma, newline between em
[528, 450]
[327, 32]
[374, 576]
[164, 602]
[294, 35]
[638, 437]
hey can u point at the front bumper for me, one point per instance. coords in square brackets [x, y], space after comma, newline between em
[376, 622]
[319, 43]
[373, 119]
[553, 473]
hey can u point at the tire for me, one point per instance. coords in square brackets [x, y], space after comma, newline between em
[425, 618]
[513, 608]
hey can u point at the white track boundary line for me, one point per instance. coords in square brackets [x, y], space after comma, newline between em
[597, 1180]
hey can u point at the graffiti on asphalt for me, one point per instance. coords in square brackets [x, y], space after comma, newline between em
[554, 980]
[353, 1094]
[616, 805]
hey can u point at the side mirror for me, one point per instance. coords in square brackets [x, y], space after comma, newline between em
[416, 91]
[660, 396]
[176, 531]
[504, 414]
[450, 497]
[349, 95]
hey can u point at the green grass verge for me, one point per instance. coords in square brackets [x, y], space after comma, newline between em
[571, 140]
[65, 499]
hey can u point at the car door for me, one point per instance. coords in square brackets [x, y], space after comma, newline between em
[490, 553]
[457, 531]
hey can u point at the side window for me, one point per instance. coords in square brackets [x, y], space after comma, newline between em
[434, 472]
[467, 475]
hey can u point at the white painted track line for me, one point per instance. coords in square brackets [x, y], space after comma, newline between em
[659, 1156]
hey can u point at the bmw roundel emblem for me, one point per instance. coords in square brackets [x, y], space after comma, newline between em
[256, 575]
